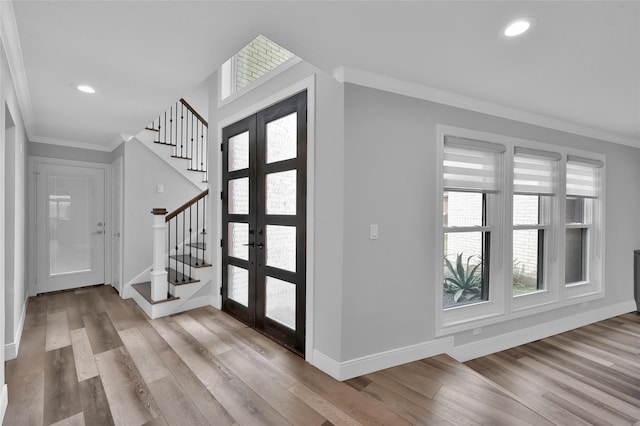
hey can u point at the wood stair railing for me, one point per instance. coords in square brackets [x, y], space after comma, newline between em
[186, 131]
[181, 237]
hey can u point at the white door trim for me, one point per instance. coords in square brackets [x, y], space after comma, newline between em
[34, 162]
[118, 162]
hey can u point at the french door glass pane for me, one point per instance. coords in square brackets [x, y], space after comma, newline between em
[281, 247]
[281, 193]
[282, 138]
[526, 243]
[239, 152]
[238, 237]
[463, 268]
[70, 224]
[238, 285]
[281, 302]
[239, 196]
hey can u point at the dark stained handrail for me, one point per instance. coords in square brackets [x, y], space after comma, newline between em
[186, 205]
[194, 112]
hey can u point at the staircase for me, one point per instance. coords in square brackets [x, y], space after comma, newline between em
[179, 136]
[180, 268]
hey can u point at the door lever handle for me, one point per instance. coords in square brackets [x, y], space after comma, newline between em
[260, 246]
[250, 244]
[98, 232]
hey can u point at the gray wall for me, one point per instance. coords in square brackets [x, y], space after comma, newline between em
[143, 170]
[15, 177]
[389, 162]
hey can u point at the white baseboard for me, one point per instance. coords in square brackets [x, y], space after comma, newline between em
[506, 341]
[326, 364]
[368, 364]
[11, 349]
[4, 402]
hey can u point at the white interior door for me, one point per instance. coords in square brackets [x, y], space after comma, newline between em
[70, 230]
[116, 215]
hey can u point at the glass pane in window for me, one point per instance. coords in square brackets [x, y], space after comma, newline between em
[526, 209]
[282, 138]
[281, 193]
[281, 302]
[527, 255]
[462, 208]
[575, 255]
[257, 58]
[575, 210]
[281, 247]
[464, 271]
[238, 285]
[239, 152]
[239, 196]
[238, 237]
[71, 224]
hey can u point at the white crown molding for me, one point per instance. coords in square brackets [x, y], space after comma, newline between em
[73, 144]
[11, 44]
[401, 87]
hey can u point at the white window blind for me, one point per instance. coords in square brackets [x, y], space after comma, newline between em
[470, 165]
[583, 176]
[534, 171]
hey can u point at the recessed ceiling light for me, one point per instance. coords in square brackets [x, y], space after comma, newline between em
[519, 26]
[86, 89]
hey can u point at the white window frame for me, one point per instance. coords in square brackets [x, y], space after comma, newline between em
[502, 304]
[593, 287]
[227, 76]
[492, 310]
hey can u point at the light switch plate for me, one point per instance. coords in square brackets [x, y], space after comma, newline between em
[159, 188]
[373, 232]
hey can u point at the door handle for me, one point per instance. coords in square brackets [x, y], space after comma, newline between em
[98, 232]
[250, 244]
[260, 246]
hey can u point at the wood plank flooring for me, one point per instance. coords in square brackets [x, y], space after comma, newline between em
[90, 358]
[586, 376]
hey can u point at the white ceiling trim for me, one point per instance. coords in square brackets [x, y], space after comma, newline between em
[74, 144]
[402, 87]
[11, 44]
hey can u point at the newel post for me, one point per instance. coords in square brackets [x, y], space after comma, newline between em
[159, 283]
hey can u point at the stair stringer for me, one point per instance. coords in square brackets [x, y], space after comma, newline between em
[163, 151]
[185, 293]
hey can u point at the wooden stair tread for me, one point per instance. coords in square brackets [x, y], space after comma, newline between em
[145, 291]
[180, 156]
[191, 260]
[152, 129]
[199, 246]
[177, 278]
[165, 143]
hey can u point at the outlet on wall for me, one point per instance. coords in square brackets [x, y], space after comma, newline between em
[373, 232]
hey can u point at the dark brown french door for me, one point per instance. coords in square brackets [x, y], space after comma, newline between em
[264, 220]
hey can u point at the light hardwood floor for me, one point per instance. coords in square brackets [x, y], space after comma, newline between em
[88, 357]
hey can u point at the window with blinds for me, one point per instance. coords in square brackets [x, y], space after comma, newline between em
[582, 187]
[518, 218]
[534, 182]
[582, 176]
[470, 165]
[471, 173]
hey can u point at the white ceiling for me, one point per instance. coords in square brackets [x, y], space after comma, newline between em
[580, 64]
